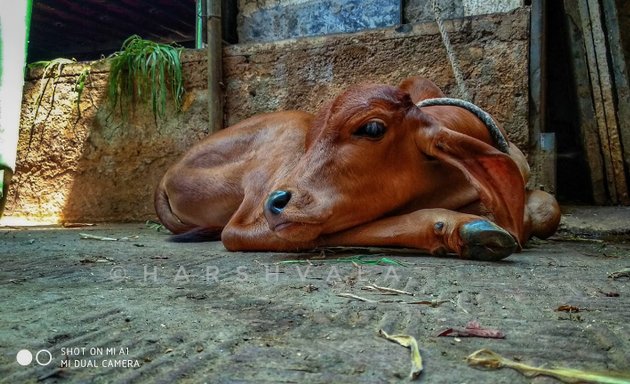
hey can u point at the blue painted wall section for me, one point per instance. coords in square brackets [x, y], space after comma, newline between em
[318, 17]
[271, 20]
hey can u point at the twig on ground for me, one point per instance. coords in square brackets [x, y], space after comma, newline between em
[355, 297]
[87, 236]
[374, 287]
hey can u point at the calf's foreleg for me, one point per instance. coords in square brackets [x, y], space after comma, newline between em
[438, 231]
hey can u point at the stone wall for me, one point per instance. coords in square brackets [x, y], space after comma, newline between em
[303, 73]
[98, 167]
[95, 166]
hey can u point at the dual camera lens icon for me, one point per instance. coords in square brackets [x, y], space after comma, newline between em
[43, 357]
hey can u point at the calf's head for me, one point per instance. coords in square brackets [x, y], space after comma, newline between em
[366, 156]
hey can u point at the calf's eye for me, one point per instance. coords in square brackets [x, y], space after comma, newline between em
[371, 130]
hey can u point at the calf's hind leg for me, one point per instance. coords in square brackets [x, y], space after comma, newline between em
[193, 198]
[437, 231]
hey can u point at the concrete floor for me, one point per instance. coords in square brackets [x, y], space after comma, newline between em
[165, 312]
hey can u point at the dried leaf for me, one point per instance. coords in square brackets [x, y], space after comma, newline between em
[568, 308]
[156, 226]
[621, 273]
[473, 329]
[488, 359]
[310, 288]
[411, 343]
[448, 332]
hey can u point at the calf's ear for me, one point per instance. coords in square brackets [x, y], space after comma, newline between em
[420, 89]
[493, 173]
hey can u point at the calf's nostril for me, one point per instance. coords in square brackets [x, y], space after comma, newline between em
[277, 200]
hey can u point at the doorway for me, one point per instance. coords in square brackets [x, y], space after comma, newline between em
[584, 56]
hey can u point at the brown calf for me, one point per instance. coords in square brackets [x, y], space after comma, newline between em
[370, 169]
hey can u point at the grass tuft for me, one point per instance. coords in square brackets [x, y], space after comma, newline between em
[144, 70]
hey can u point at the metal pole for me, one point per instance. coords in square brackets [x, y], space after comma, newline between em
[199, 16]
[215, 67]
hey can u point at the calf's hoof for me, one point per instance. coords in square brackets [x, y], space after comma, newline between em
[484, 240]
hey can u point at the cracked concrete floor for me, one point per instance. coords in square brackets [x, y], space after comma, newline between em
[141, 309]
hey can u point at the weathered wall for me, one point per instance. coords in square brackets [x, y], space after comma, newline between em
[303, 73]
[99, 168]
[96, 167]
[416, 11]
[272, 20]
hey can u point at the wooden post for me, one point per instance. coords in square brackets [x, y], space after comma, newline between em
[620, 75]
[537, 91]
[595, 41]
[586, 110]
[215, 65]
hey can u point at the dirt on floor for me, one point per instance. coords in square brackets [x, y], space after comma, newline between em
[119, 303]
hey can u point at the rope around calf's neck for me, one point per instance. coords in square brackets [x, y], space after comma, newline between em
[496, 134]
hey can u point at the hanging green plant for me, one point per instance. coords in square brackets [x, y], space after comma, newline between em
[52, 72]
[79, 86]
[145, 70]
